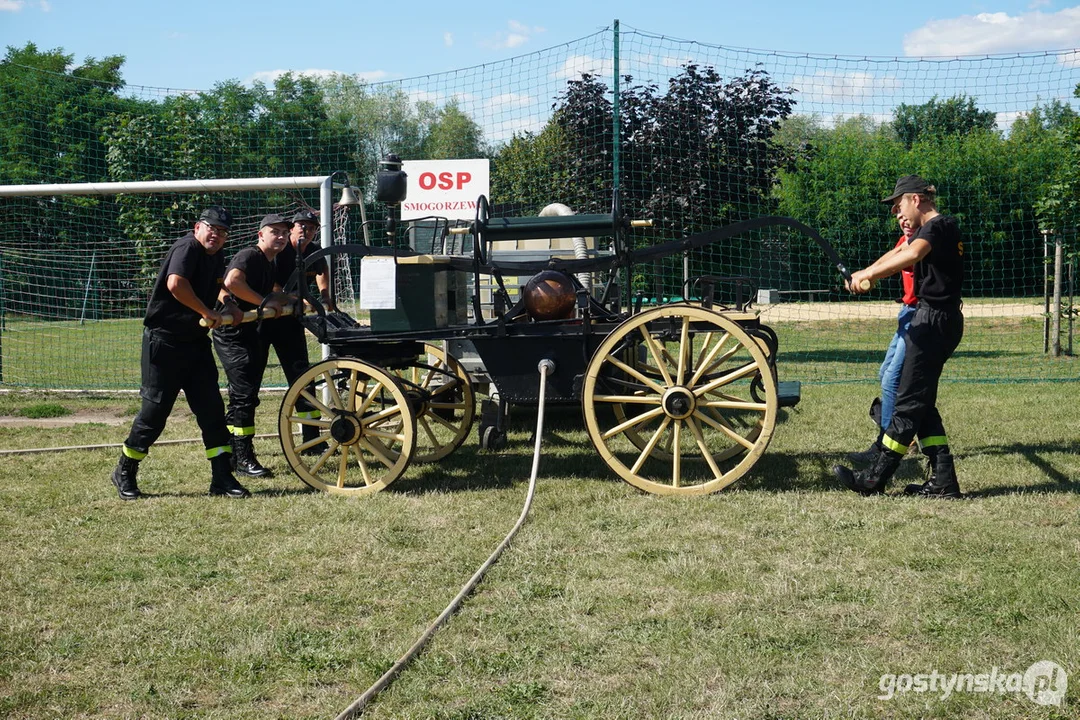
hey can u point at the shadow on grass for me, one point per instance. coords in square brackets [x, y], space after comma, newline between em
[1057, 481]
[569, 456]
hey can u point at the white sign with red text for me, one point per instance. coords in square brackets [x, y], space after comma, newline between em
[444, 188]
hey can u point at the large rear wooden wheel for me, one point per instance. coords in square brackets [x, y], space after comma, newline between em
[367, 430]
[441, 394]
[669, 400]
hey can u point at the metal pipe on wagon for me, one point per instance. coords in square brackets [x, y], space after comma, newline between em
[326, 232]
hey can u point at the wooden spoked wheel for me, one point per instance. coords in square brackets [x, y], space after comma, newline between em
[442, 399]
[669, 401]
[367, 431]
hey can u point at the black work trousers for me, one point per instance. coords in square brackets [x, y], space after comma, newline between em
[933, 335]
[243, 357]
[286, 336]
[171, 364]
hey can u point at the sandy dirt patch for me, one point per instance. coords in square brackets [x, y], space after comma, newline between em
[79, 417]
[781, 312]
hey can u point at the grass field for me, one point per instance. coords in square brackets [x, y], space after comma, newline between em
[782, 597]
[830, 345]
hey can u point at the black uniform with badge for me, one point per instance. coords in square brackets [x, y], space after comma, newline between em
[935, 332]
[240, 348]
[933, 335]
[176, 355]
[287, 335]
[176, 352]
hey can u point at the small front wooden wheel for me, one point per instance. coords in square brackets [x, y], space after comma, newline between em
[441, 394]
[668, 400]
[366, 429]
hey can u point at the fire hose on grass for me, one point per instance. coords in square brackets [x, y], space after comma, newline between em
[545, 368]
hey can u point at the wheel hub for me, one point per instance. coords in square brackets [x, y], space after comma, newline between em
[345, 429]
[679, 403]
[418, 401]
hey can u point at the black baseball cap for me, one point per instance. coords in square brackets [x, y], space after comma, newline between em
[305, 216]
[217, 216]
[273, 219]
[906, 184]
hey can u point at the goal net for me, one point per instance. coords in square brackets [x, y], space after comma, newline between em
[73, 291]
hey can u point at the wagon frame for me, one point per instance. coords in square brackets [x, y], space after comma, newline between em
[681, 398]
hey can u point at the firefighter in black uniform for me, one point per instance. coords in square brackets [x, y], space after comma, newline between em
[937, 250]
[287, 336]
[176, 355]
[249, 282]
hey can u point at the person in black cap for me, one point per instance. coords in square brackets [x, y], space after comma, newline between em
[287, 335]
[249, 282]
[176, 355]
[937, 250]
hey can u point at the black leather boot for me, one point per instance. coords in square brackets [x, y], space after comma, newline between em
[872, 480]
[244, 460]
[868, 455]
[123, 477]
[222, 481]
[309, 433]
[941, 481]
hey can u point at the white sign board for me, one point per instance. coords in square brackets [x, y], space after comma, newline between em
[444, 188]
[378, 283]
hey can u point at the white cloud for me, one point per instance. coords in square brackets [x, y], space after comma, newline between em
[517, 35]
[828, 85]
[575, 65]
[268, 77]
[507, 102]
[676, 62]
[448, 39]
[503, 132]
[1006, 119]
[996, 32]
[18, 5]
[1070, 59]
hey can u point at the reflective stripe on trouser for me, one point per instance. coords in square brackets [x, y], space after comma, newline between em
[931, 339]
[133, 453]
[243, 357]
[242, 431]
[214, 452]
[170, 365]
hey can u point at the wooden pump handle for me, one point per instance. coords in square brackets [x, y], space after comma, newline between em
[252, 316]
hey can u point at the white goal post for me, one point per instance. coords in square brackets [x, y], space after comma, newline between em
[50, 339]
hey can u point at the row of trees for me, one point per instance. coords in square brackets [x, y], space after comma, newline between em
[700, 152]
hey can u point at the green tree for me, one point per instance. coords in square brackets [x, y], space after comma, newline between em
[452, 134]
[377, 120]
[54, 113]
[958, 115]
[990, 183]
[1058, 205]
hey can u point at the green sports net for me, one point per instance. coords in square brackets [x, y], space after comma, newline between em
[690, 135]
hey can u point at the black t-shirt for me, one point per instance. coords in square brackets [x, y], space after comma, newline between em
[188, 259]
[286, 264]
[939, 277]
[258, 273]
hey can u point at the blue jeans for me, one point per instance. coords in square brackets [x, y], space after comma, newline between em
[889, 374]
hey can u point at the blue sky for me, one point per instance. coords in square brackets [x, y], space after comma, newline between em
[192, 44]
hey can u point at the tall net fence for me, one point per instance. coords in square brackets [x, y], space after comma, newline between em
[689, 135]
